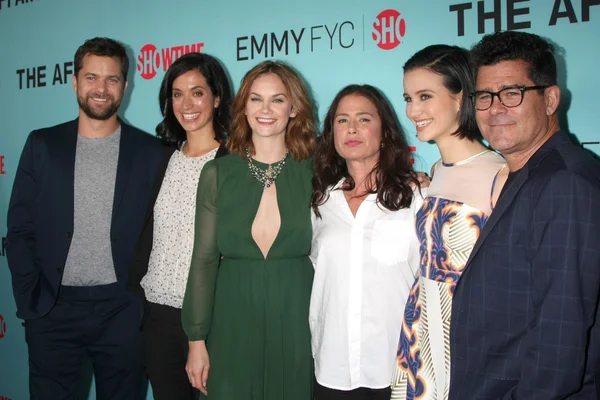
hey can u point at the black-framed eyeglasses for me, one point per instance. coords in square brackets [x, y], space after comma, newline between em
[509, 97]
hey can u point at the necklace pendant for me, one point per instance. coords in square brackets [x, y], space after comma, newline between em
[266, 178]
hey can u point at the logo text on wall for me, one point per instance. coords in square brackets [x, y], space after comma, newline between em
[510, 15]
[411, 150]
[4, 4]
[36, 77]
[150, 59]
[338, 35]
[388, 29]
[2, 171]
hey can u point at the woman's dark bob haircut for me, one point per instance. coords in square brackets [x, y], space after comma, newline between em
[454, 65]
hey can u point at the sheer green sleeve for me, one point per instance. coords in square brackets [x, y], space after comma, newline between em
[198, 301]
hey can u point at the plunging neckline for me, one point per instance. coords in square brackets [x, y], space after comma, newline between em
[266, 255]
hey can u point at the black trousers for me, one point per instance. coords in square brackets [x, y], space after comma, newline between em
[325, 393]
[166, 353]
[101, 323]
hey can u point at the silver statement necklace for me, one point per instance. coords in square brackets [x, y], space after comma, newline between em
[266, 178]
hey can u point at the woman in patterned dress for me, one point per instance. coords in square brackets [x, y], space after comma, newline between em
[465, 186]
[194, 99]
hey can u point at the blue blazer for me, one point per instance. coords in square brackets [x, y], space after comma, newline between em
[40, 213]
[525, 318]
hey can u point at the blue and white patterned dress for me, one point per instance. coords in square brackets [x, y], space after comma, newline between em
[448, 225]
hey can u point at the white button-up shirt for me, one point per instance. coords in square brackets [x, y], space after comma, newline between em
[364, 269]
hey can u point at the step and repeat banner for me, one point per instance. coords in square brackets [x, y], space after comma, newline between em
[332, 43]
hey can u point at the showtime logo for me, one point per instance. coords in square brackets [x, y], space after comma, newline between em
[2, 330]
[388, 29]
[150, 59]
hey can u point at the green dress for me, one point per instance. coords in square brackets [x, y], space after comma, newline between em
[252, 311]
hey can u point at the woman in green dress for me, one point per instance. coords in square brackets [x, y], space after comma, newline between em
[245, 310]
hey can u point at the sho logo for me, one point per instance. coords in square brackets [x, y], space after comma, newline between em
[150, 59]
[388, 29]
[2, 328]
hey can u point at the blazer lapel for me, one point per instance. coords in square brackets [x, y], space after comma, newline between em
[507, 198]
[65, 149]
[124, 164]
[504, 202]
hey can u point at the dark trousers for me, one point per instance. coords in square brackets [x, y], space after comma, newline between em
[325, 393]
[98, 323]
[166, 353]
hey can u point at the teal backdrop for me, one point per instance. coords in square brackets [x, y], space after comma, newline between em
[332, 43]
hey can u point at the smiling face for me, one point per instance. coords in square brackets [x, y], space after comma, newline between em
[521, 129]
[268, 107]
[357, 129]
[193, 102]
[99, 87]
[430, 105]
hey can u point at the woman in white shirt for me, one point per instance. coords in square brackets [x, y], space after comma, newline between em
[365, 250]
[194, 100]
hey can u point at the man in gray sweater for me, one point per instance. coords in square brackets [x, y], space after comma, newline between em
[76, 211]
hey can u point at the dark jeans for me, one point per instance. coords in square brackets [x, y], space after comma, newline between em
[166, 353]
[325, 393]
[101, 323]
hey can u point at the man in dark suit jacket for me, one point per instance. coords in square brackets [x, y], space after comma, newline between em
[525, 318]
[76, 211]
